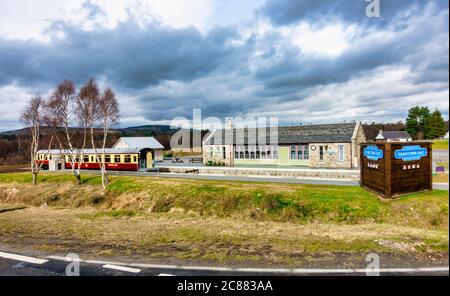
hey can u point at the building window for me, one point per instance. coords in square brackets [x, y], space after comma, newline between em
[321, 152]
[341, 152]
[300, 152]
[224, 154]
[263, 152]
[236, 154]
[275, 152]
[293, 152]
[258, 153]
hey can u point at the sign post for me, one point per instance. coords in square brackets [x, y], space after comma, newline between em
[391, 169]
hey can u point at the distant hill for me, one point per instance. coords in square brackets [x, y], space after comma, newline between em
[134, 131]
[147, 130]
[162, 133]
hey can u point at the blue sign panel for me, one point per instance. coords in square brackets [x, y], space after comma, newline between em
[409, 153]
[373, 153]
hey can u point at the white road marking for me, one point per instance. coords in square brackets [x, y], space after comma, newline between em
[165, 274]
[404, 270]
[122, 268]
[22, 258]
[61, 258]
[274, 270]
[104, 262]
[323, 270]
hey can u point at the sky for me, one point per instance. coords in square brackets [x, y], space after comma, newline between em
[304, 61]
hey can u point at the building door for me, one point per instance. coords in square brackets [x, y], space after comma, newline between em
[142, 163]
[149, 160]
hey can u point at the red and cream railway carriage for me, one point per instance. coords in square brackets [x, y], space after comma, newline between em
[118, 158]
[127, 159]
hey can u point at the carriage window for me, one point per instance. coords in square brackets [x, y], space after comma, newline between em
[116, 158]
[86, 158]
[135, 158]
[107, 158]
[127, 158]
[321, 152]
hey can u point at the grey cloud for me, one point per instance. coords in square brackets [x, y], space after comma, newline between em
[283, 12]
[128, 55]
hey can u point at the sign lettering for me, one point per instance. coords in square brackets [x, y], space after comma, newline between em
[410, 153]
[373, 153]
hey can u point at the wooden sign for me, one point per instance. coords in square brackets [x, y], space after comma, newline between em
[392, 169]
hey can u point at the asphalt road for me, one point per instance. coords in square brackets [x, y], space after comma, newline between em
[440, 155]
[14, 267]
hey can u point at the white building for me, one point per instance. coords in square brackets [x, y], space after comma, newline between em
[141, 143]
[393, 136]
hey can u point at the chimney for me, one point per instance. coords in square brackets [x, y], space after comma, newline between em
[229, 124]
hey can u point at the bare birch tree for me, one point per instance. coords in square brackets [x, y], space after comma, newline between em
[108, 115]
[88, 102]
[32, 117]
[61, 109]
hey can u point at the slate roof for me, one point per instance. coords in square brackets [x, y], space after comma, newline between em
[322, 133]
[389, 135]
[142, 142]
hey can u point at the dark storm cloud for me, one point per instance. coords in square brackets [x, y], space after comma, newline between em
[128, 55]
[283, 12]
